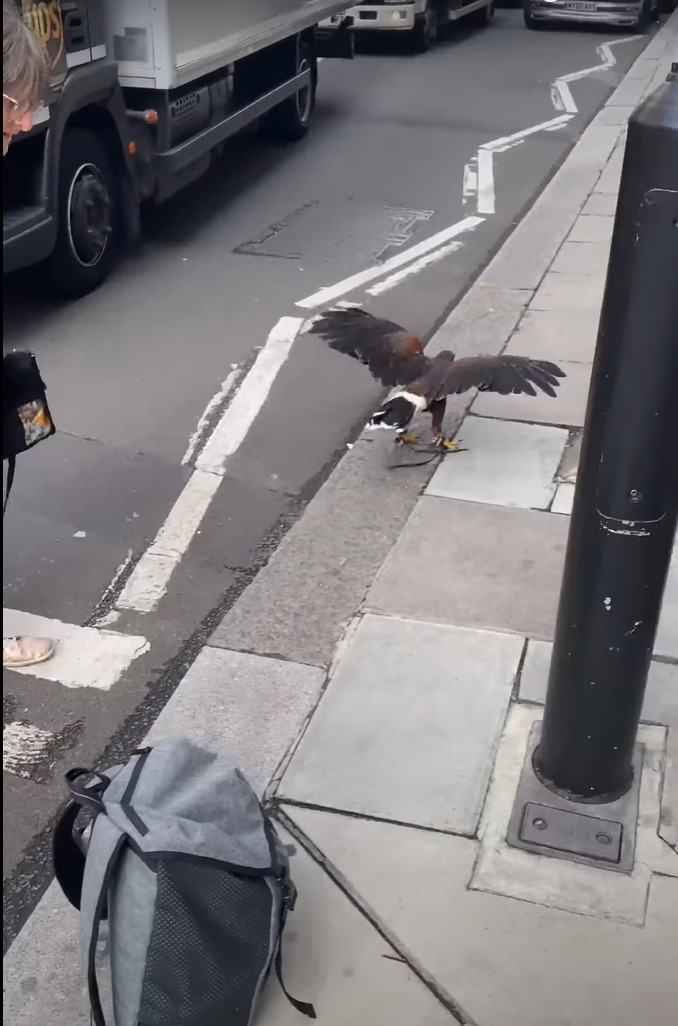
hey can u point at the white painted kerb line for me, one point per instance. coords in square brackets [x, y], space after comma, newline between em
[484, 171]
[150, 578]
[561, 94]
[356, 281]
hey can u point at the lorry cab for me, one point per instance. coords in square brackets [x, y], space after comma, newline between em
[418, 21]
[143, 95]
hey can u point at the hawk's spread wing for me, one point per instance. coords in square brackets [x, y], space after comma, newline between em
[393, 355]
[503, 374]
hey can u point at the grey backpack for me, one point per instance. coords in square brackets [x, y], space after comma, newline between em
[174, 850]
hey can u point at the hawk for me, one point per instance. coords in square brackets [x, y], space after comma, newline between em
[395, 357]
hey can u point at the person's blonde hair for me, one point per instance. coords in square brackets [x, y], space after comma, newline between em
[24, 62]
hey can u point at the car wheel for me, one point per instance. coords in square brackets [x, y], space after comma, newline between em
[644, 18]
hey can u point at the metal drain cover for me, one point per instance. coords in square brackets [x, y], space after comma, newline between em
[363, 232]
[572, 832]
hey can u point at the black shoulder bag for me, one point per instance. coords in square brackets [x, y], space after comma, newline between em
[26, 417]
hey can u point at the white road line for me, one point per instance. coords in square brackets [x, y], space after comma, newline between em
[485, 203]
[355, 281]
[85, 657]
[561, 94]
[250, 397]
[479, 172]
[414, 268]
[150, 578]
[22, 746]
[484, 162]
[506, 141]
[217, 399]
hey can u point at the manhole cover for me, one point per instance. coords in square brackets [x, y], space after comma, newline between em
[323, 232]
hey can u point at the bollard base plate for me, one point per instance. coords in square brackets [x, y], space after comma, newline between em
[549, 824]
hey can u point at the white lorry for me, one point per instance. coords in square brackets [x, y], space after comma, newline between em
[420, 21]
[144, 93]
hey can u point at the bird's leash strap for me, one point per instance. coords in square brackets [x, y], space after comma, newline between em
[436, 454]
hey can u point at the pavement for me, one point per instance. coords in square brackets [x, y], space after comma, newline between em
[378, 679]
[194, 423]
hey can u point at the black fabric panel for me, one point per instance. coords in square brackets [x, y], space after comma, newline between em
[209, 945]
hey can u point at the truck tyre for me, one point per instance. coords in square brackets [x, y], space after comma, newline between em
[88, 216]
[485, 15]
[290, 120]
[423, 35]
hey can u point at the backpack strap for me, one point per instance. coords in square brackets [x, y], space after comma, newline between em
[303, 1007]
[68, 857]
[106, 845]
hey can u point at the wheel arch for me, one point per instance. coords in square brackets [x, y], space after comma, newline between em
[93, 101]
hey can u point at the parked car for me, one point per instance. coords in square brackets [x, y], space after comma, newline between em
[634, 14]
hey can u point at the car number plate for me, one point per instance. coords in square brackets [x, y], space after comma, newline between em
[577, 6]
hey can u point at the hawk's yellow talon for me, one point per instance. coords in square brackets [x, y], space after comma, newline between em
[408, 439]
[448, 445]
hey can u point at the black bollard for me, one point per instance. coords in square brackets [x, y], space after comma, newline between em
[626, 499]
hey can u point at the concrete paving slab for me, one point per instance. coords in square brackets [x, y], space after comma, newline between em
[245, 705]
[581, 258]
[567, 471]
[408, 724]
[507, 464]
[335, 959]
[568, 407]
[299, 605]
[628, 93]
[505, 962]
[474, 565]
[666, 642]
[661, 696]
[565, 292]
[548, 335]
[615, 114]
[604, 203]
[563, 499]
[482, 321]
[42, 982]
[668, 825]
[609, 181]
[559, 883]
[592, 228]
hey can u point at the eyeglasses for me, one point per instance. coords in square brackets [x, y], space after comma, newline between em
[19, 108]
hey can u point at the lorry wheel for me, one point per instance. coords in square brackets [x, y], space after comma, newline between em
[423, 35]
[290, 120]
[485, 15]
[641, 26]
[88, 216]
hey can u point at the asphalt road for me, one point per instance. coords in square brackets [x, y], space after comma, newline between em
[131, 368]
